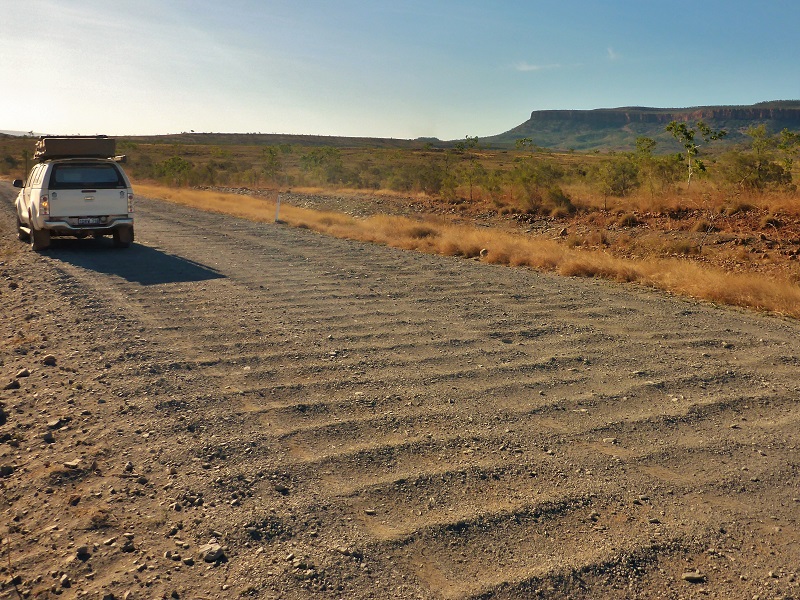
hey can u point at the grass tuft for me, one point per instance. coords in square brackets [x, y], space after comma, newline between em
[737, 207]
[628, 220]
[703, 226]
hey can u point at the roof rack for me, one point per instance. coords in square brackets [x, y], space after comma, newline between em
[74, 146]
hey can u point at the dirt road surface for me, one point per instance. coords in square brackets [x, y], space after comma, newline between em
[230, 409]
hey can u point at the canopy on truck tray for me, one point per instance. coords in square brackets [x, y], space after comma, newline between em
[96, 146]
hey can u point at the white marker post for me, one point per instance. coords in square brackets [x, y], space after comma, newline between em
[278, 209]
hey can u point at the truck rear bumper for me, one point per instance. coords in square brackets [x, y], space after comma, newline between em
[72, 226]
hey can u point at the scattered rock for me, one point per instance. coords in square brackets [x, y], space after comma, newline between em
[23, 373]
[610, 440]
[49, 360]
[211, 552]
[12, 385]
[694, 577]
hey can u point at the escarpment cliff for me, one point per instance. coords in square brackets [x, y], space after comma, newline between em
[618, 128]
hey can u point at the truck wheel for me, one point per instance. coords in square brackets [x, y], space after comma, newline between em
[40, 239]
[23, 235]
[123, 237]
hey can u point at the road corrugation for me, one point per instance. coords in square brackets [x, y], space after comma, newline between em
[460, 429]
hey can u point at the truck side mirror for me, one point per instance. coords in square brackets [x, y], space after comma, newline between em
[19, 183]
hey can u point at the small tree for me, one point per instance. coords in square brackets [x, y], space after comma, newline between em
[645, 161]
[475, 175]
[469, 143]
[768, 164]
[686, 136]
[324, 164]
[523, 143]
[618, 177]
[273, 157]
[175, 170]
[789, 145]
[534, 177]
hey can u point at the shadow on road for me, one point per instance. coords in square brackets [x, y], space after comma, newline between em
[139, 264]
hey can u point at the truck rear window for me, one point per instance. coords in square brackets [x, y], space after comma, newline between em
[79, 176]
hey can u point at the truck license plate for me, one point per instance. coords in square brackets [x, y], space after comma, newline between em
[88, 221]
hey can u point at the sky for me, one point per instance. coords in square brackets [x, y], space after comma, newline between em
[379, 68]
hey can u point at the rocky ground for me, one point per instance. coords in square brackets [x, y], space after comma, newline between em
[230, 409]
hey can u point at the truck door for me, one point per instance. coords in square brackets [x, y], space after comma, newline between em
[34, 181]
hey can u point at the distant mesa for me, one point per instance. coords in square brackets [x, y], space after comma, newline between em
[618, 128]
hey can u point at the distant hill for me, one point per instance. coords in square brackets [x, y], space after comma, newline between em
[581, 130]
[267, 139]
[618, 128]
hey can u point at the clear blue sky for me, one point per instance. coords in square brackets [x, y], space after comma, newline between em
[379, 68]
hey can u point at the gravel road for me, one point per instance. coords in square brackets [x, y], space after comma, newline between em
[233, 409]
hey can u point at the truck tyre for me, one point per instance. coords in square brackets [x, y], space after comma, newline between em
[40, 239]
[123, 237]
[23, 235]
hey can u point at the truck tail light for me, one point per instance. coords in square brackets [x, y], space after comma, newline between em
[130, 203]
[44, 205]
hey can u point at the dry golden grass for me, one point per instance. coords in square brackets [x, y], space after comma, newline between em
[247, 207]
[438, 236]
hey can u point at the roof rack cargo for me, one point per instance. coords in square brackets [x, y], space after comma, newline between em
[74, 146]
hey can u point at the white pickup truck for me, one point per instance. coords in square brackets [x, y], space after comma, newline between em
[77, 188]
